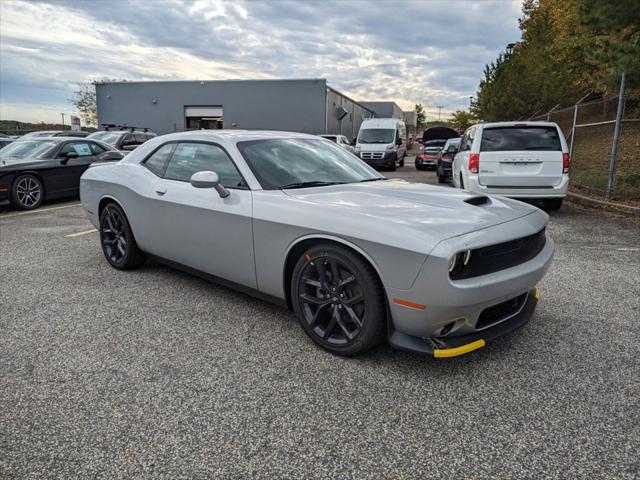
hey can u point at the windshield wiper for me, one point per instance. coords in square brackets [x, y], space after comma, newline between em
[372, 179]
[309, 184]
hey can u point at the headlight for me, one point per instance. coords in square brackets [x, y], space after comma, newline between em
[390, 147]
[459, 261]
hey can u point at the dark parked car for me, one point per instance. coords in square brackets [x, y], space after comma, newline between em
[445, 159]
[123, 140]
[37, 169]
[4, 141]
[53, 133]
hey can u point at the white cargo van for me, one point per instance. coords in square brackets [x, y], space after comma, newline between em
[528, 160]
[382, 142]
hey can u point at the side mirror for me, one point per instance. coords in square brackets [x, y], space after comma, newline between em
[66, 156]
[399, 141]
[129, 148]
[111, 155]
[206, 179]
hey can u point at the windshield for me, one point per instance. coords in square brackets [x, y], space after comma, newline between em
[27, 149]
[520, 138]
[435, 143]
[277, 163]
[432, 150]
[377, 135]
[107, 137]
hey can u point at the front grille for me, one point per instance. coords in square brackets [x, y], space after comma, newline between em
[372, 155]
[501, 311]
[502, 256]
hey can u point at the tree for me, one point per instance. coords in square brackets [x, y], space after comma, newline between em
[461, 120]
[420, 116]
[614, 27]
[85, 99]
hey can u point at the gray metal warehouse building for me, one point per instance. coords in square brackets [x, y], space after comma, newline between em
[309, 106]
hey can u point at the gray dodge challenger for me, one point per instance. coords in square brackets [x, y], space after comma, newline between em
[296, 219]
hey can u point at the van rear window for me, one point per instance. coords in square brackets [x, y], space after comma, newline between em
[520, 138]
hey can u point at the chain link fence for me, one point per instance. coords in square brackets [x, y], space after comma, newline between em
[592, 125]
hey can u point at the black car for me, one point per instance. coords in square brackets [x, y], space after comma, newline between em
[123, 140]
[44, 168]
[445, 159]
[4, 141]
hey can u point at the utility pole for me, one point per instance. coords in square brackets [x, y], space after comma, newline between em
[62, 120]
[439, 107]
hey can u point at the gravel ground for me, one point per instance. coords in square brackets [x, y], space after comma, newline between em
[155, 373]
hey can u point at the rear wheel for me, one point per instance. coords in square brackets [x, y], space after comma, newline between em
[553, 204]
[338, 300]
[118, 244]
[442, 178]
[27, 192]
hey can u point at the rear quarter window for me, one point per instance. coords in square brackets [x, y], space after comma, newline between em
[520, 138]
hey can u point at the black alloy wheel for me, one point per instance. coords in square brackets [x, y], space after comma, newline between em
[119, 246]
[338, 300]
[27, 192]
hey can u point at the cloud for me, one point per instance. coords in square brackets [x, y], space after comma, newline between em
[411, 52]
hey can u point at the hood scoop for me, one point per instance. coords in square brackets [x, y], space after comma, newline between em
[479, 200]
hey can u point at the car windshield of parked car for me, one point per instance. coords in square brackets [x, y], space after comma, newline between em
[107, 137]
[25, 149]
[520, 138]
[376, 135]
[301, 162]
[435, 143]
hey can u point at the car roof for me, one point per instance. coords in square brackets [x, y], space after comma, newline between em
[519, 124]
[234, 135]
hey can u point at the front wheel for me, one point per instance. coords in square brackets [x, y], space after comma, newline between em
[118, 244]
[27, 192]
[338, 300]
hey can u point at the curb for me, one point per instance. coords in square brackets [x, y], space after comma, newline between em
[590, 202]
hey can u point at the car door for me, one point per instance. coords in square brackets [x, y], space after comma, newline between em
[195, 226]
[67, 178]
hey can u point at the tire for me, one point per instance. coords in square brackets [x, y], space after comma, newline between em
[27, 192]
[442, 178]
[419, 167]
[402, 161]
[553, 204]
[116, 238]
[338, 300]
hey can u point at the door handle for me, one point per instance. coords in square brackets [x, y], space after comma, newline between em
[161, 190]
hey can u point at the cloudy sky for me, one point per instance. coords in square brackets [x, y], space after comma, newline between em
[427, 52]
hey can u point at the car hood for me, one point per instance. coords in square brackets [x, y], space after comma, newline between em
[438, 212]
[17, 163]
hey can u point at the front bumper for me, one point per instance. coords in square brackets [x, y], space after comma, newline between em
[459, 345]
[454, 312]
[379, 159]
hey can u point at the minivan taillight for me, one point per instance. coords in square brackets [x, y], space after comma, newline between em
[566, 161]
[474, 162]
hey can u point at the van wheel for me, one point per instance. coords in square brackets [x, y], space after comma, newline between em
[553, 204]
[402, 161]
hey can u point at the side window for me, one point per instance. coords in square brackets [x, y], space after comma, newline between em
[96, 149]
[189, 158]
[140, 138]
[129, 139]
[81, 148]
[158, 159]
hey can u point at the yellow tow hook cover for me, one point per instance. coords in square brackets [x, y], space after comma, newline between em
[461, 350]
[536, 294]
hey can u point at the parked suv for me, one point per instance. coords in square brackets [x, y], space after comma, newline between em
[123, 140]
[445, 159]
[527, 160]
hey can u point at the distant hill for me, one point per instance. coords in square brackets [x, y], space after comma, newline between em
[14, 127]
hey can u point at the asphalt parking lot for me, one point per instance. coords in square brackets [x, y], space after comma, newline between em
[155, 373]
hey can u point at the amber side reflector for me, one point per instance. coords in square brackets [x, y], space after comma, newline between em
[4, 189]
[407, 303]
